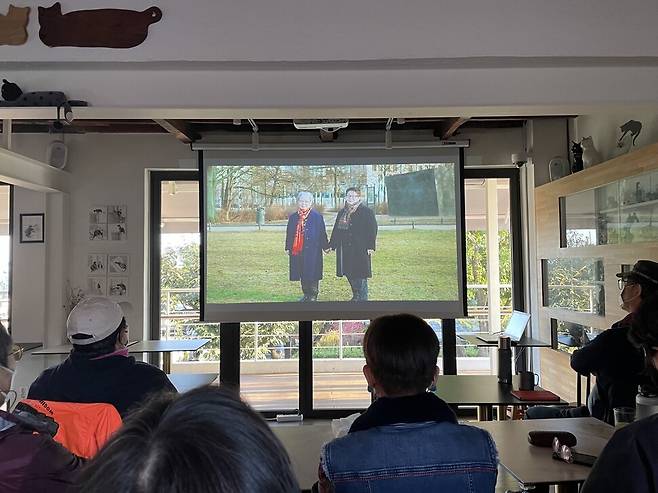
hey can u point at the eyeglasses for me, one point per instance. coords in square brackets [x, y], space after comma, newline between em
[622, 283]
[562, 452]
[16, 352]
[570, 456]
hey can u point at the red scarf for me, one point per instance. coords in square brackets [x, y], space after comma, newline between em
[298, 243]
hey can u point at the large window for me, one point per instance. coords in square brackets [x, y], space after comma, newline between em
[5, 253]
[315, 367]
[491, 272]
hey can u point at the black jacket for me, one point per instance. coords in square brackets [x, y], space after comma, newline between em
[629, 462]
[117, 380]
[618, 367]
[352, 244]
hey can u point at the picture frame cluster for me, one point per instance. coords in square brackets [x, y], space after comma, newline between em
[107, 223]
[107, 274]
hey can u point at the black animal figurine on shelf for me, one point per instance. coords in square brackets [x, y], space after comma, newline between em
[10, 91]
[14, 96]
[577, 161]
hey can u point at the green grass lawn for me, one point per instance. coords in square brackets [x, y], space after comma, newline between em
[408, 265]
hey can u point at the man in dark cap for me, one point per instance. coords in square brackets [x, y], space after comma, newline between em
[611, 357]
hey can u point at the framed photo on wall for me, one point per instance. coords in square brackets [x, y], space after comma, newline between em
[32, 228]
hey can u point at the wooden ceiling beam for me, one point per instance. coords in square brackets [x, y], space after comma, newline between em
[450, 127]
[180, 129]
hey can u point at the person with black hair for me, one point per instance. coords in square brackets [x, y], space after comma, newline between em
[629, 462]
[616, 363]
[206, 440]
[30, 460]
[408, 439]
[353, 238]
[99, 369]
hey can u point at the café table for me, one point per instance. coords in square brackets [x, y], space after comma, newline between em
[149, 346]
[485, 392]
[188, 381]
[534, 467]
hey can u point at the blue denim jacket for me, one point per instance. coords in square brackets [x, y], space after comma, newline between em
[412, 457]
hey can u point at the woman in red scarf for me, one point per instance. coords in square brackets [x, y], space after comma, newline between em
[306, 238]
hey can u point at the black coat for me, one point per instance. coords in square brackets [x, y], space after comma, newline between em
[352, 244]
[308, 265]
[618, 366]
[629, 462]
[117, 380]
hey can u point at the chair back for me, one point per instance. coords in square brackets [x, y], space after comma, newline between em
[83, 428]
[579, 389]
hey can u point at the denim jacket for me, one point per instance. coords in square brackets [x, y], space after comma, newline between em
[412, 456]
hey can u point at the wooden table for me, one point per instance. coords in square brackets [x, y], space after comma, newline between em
[164, 347]
[188, 381]
[303, 442]
[482, 391]
[523, 343]
[533, 467]
[168, 347]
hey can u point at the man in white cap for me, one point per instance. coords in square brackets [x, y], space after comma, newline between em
[99, 368]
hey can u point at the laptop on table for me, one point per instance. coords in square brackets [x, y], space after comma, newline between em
[514, 330]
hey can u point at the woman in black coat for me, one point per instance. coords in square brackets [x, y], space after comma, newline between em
[306, 238]
[353, 238]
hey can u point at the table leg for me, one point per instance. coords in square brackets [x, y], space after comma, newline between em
[166, 362]
[566, 488]
[485, 412]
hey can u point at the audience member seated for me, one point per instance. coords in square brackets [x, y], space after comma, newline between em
[203, 441]
[629, 462]
[408, 439]
[30, 460]
[99, 369]
[616, 363]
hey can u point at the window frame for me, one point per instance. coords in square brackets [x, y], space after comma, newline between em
[229, 374]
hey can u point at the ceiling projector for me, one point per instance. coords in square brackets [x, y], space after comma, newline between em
[328, 125]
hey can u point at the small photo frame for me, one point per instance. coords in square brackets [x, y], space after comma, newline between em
[97, 286]
[117, 231]
[98, 214]
[32, 228]
[118, 287]
[97, 232]
[96, 264]
[118, 264]
[116, 214]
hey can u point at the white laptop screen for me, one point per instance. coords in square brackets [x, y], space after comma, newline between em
[516, 325]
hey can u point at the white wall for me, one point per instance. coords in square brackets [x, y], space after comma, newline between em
[549, 141]
[413, 55]
[28, 306]
[105, 169]
[295, 30]
[110, 169]
[604, 129]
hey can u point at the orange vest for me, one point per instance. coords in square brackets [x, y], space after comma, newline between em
[83, 428]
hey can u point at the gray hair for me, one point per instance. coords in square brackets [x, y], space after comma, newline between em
[305, 194]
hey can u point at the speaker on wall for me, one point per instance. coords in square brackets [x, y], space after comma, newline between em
[57, 154]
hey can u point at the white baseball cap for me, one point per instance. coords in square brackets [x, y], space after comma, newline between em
[92, 320]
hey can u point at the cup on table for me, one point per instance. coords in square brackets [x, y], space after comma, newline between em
[623, 416]
[528, 380]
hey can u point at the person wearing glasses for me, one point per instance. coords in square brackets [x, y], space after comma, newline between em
[30, 460]
[629, 462]
[617, 364]
[99, 368]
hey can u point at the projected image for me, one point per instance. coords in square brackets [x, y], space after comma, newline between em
[312, 234]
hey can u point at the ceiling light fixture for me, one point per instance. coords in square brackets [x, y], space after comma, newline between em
[326, 124]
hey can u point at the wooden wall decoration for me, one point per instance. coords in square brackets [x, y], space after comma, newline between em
[13, 26]
[556, 373]
[103, 28]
